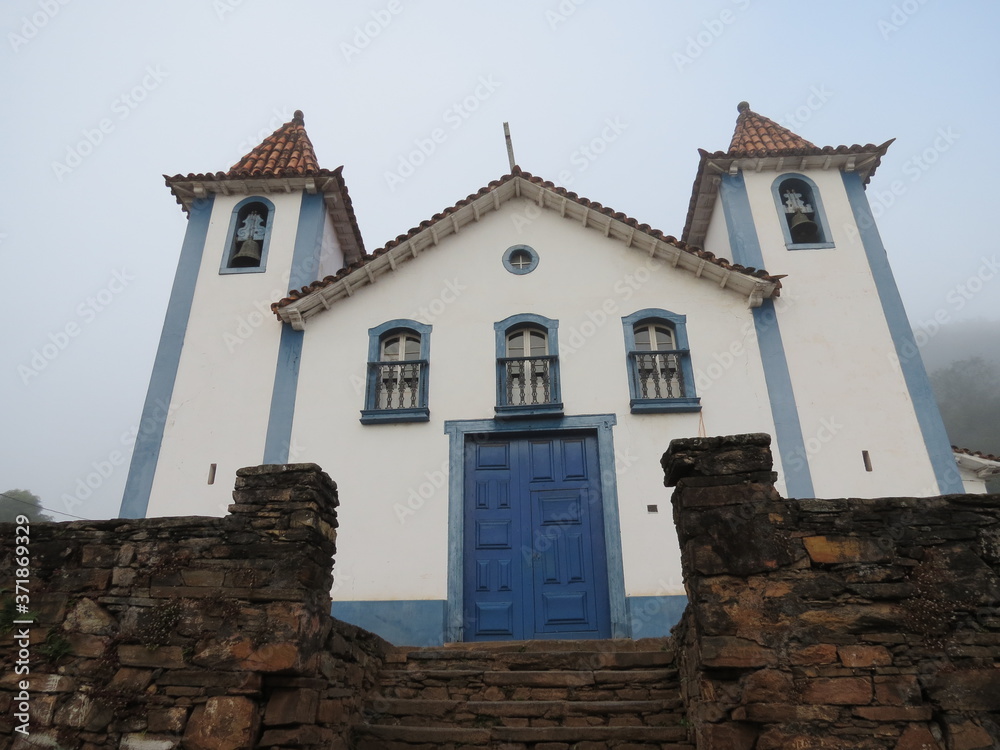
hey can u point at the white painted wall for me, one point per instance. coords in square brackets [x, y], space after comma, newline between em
[849, 391]
[222, 393]
[585, 281]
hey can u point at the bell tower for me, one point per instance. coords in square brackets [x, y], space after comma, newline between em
[222, 390]
[851, 402]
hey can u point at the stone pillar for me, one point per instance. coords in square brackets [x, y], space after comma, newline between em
[296, 504]
[723, 488]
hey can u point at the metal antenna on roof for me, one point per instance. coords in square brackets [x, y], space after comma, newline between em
[510, 146]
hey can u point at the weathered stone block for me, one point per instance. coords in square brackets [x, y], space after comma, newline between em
[729, 736]
[223, 723]
[893, 713]
[768, 686]
[864, 656]
[831, 549]
[966, 690]
[917, 738]
[897, 690]
[169, 657]
[726, 651]
[967, 735]
[87, 616]
[838, 691]
[821, 653]
[294, 706]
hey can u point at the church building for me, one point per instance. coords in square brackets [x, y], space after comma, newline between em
[492, 390]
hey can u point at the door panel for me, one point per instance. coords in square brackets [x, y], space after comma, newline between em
[534, 540]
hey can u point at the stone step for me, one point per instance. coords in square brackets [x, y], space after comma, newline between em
[532, 677]
[445, 658]
[389, 737]
[421, 712]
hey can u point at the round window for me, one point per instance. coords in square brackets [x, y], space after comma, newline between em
[520, 259]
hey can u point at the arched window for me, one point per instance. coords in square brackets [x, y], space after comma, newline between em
[803, 221]
[527, 366]
[249, 236]
[659, 362]
[397, 373]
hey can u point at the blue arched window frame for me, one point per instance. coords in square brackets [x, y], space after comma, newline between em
[230, 246]
[639, 404]
[550, 327]
[371, 414]
[819, 215]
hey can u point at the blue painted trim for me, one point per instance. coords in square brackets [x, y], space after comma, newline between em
[914, 374]
[372, 415]
[520, 271]
[459, 431]
[745, 248]
[678, 323]
[308, 241]
[286, 379]
[654, 616]
[305, 255]
[743, 243]
[409, 622]
[784, 411]
[135, 500]
[819, 214]
[500, 331]
[229, 247]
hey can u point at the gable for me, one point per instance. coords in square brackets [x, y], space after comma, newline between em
[753, 284]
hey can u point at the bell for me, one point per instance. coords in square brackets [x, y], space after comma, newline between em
[248, 255]
[803, 229]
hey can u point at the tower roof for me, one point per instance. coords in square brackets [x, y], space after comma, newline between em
[756, 135]
[760, 143]
[287, 151]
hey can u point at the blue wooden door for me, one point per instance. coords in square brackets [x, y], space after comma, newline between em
[535, 563]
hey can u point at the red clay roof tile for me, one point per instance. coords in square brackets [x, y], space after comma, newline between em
[287, 151]
[756, 135]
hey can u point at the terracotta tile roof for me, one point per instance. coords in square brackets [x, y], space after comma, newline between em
[517, 172]
[287, 151]
[756, 135]
[285, 157]
[977, 454]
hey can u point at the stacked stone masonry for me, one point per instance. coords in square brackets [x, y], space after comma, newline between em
[864, 624]
[867, 624]
[195, 633]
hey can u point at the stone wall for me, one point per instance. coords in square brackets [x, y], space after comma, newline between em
[211, 632]
[865, 624]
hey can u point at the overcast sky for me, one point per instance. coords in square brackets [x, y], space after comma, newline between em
[101, 99]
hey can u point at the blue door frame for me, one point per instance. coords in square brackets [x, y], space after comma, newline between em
[541, 499]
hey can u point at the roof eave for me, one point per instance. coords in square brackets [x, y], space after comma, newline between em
[863, 160]
[703, 265]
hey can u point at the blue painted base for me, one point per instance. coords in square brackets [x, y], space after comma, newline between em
[420, 622]
[415, 622]
[654, 616]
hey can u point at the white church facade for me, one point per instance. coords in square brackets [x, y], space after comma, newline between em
[492, 390]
